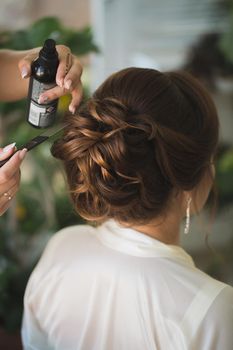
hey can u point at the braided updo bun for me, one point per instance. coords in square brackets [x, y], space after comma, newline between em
[142, 135]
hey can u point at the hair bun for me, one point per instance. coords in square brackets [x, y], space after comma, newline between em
[100, 120]
[132, 143]
[104, 143]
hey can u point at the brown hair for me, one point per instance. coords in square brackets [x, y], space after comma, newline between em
[143, 134]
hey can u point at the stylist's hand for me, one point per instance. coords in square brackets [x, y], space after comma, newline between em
[68, 76]
[9, 175]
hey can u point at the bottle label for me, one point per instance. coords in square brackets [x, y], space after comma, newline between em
[41, 115]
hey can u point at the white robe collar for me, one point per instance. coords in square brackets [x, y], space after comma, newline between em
[132, 242]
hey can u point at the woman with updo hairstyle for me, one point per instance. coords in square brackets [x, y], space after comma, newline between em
[138, 158]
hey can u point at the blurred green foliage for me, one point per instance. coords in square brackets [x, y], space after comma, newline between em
[211, 59]
[224, 176]
[42, 205]
[226, 40]
[81, 42]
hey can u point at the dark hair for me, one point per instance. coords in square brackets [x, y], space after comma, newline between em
[143, 134]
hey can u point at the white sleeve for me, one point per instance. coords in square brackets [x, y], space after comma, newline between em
[33, 336]
[216, 330]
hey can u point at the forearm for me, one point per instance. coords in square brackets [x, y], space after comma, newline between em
[12, 86]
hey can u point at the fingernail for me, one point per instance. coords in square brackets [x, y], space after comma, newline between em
[22, 153]
[68, 84]
[24, 72]
[43, 99]
[72, 109]
[8, 147]
[60, 83]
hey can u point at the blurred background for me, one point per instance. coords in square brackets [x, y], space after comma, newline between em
[107, 35]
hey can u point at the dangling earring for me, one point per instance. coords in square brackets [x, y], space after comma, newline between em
[187, 222]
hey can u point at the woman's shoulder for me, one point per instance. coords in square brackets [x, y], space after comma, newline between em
[66, 243]
[209, 288]
[223, 303]
[70, 234]
[59, 253]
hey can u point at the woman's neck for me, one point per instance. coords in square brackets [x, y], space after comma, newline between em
[166, 229]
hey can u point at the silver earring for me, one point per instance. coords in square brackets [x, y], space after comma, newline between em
[187, 222]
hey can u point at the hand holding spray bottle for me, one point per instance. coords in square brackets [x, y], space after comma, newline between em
[43, 77]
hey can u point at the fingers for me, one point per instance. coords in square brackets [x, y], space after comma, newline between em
[57, 92]
[71, 84]
[52, 94]
[5, 187]
[73, 76]
[65, 62]
[7, 151]
[69, 77]
[8, 170]
[25, 63]
[7, 196]
[10, 179]
[77, 95]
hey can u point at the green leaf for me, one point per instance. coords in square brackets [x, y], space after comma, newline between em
[42, 30]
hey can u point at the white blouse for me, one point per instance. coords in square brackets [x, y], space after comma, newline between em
[113, 288]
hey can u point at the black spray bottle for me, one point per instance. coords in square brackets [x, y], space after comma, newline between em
[43, 77]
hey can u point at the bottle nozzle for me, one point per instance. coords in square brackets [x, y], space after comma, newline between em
[49, 49]
[49, 45]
